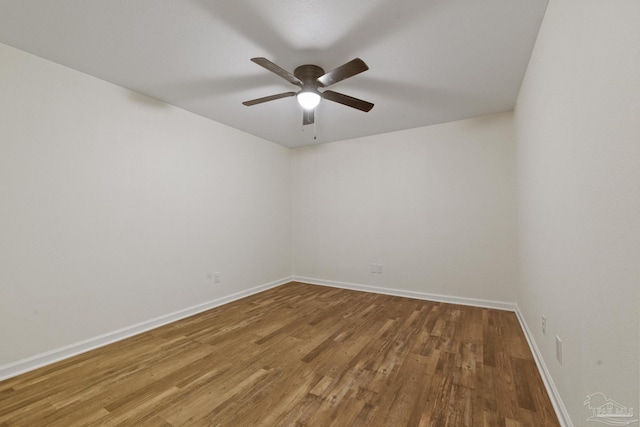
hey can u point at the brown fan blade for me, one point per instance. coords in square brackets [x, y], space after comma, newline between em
[269, 98]
[347, 100]
[308, 117]
[264, 62]
[345, 71]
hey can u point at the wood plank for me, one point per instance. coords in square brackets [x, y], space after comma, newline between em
[298, 355]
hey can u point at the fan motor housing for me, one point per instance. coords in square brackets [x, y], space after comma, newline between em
[308, 74]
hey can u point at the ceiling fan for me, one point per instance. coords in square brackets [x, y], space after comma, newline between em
[311, 78]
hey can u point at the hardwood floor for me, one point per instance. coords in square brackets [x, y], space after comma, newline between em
[298, 355]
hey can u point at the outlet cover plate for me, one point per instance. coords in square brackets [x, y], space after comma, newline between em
[559, 349]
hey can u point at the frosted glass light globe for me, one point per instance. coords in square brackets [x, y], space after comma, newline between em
[308, 100]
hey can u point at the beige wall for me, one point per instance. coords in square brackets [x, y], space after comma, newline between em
[115, 207]
[578, 127]
[435, 206]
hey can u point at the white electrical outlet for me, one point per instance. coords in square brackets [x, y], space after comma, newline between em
[559, 349]
[544, 325]
[376, 268]
[216, 277]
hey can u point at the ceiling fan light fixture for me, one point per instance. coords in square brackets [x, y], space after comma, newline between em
[308, 99]
[309, 78]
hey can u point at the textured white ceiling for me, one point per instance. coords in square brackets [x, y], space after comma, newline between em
[431, 61]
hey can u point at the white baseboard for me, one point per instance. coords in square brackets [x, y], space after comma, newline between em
[39, 360]
[498, 305]
[552, 391]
